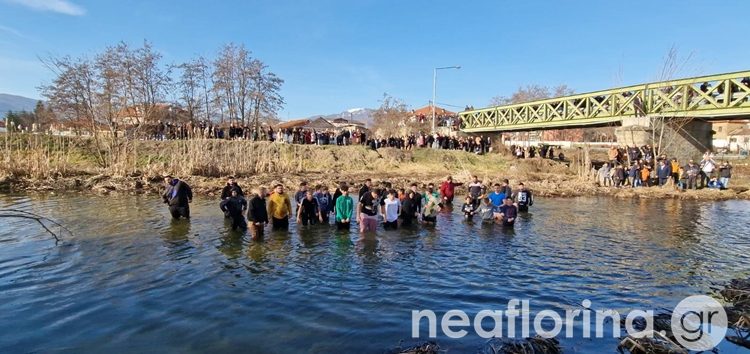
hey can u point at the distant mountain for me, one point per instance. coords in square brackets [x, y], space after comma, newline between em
[15, 103]
[364, 115]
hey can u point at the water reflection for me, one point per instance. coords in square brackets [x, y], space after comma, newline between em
[182, 285]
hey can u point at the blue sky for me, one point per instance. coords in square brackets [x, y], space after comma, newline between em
[336, 55]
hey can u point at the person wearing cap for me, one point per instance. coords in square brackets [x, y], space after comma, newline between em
[725, 173]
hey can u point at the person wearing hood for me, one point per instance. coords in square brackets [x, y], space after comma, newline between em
[178, 195]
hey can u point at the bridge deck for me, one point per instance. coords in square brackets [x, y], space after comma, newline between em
[714, 96]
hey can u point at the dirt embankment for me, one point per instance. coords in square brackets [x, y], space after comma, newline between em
[65, 165]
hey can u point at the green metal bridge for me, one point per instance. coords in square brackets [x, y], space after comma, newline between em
[723, 96]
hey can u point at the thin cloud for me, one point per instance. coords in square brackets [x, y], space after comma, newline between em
[14, 32]
[60, 6]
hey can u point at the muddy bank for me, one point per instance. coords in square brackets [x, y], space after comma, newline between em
[554, 186]
[44, 164]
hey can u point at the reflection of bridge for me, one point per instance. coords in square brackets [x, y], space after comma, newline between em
[724, 96]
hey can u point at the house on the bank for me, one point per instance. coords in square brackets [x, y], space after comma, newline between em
[165, 112]
[730, 135]
[341, 124]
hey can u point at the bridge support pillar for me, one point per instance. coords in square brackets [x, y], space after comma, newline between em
[683, 138]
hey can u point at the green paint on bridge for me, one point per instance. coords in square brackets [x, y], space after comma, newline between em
[723, 96]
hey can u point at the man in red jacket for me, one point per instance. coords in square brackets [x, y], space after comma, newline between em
[448, 189]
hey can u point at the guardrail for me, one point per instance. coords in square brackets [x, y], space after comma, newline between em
[723, 95]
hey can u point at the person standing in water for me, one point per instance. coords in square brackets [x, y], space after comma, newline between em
[308, 213]
[325, 203]
[431, 205]
[368, 211]
[257, 214]
[178, 195]
[508, 213]
[390, 210]
[344, 209]
[486, 211]
[409, 210]
[497, 197]
[476, 190]
[235, 207]
[468, 208]
[448, 190]
[523, 198]
[279, 208]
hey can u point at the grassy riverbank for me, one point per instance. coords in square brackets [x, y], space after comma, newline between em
[41, 163]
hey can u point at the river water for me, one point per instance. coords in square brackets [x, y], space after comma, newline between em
[129, 279]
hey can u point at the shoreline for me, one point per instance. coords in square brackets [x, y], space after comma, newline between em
[569, 187]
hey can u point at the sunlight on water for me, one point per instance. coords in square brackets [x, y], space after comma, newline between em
[132, 279]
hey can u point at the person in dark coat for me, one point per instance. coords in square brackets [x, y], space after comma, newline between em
[226, 193]
[235, 206]
[257, 214]
[664, 172]
[178, 195]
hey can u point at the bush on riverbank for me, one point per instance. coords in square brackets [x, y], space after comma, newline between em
[38, 162]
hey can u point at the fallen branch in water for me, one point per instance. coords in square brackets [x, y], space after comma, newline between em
[22, 214]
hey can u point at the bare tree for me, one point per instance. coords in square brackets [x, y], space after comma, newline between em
[532, 93]
[666, 131]
[267, 99]
[393, 117]
[191, 85]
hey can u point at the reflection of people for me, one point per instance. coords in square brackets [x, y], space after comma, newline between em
[257, 214]
[279, 208]
[178, 195]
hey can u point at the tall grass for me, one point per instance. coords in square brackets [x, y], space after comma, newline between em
[41, 157]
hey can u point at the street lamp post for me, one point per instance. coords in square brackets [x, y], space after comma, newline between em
[434, 89]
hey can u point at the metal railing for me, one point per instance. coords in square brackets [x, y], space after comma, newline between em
[723, 95]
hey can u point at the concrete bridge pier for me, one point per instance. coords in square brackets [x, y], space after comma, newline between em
[683, 138]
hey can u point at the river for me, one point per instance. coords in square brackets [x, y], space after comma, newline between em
[129, 279]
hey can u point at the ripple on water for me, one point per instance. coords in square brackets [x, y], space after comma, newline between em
[130, 277]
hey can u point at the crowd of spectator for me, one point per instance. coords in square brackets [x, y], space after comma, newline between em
[634, 167]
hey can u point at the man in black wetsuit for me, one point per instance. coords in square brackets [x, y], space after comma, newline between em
[235, 207]
[178, 195]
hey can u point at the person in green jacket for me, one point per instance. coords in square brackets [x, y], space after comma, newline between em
[344, 209]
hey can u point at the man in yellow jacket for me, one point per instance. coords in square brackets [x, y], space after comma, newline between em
[279, 208]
